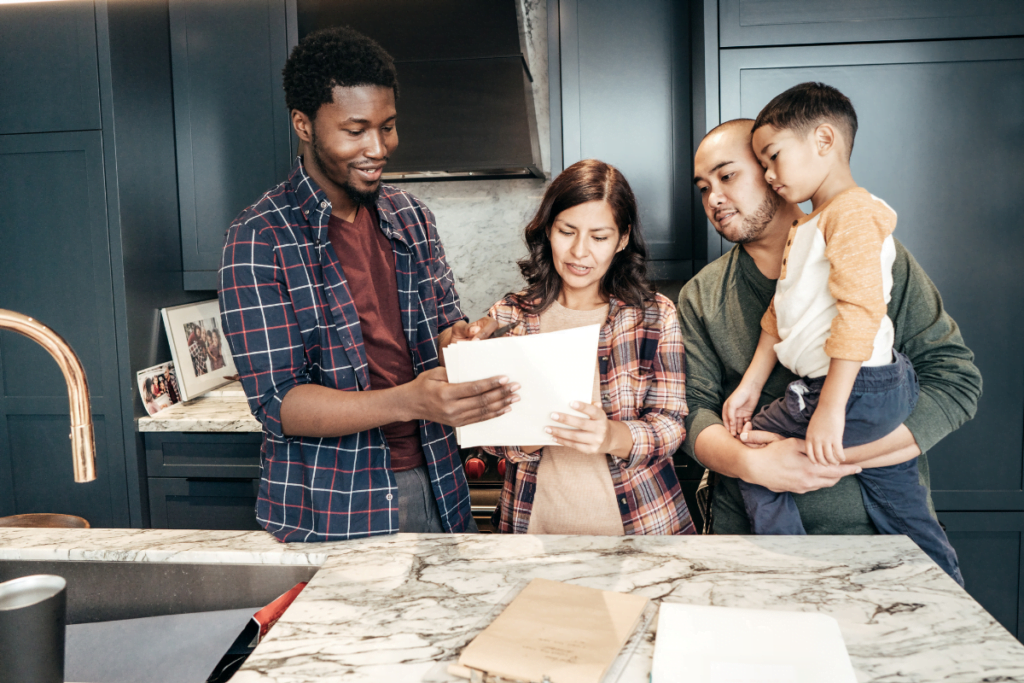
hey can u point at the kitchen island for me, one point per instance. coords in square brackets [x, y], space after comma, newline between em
[389, 608]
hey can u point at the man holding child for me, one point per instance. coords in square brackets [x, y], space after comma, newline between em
[837, 269]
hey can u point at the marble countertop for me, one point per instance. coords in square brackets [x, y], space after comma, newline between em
[390, 608]
[225, 410]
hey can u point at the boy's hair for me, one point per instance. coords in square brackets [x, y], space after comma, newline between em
[331, 57]
[808, 105]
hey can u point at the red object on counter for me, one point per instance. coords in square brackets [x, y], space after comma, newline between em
[501, 468]
[475, 468]
[269, 615]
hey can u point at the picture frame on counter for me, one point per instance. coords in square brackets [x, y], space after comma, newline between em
[200, 351]
[158, 387]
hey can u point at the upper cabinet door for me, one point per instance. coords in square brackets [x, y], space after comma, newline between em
[748, 23]
[48, 71]
[55, 265]
[232, 130]
[940, 139]
[626, 101]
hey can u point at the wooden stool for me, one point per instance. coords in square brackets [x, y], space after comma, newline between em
[43, 520]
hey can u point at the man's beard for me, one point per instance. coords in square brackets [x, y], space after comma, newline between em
[753, 226]
[360, 198]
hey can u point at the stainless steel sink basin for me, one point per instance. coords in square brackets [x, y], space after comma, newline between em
[108, 591]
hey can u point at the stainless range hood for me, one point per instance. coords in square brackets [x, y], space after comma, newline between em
[465, 105]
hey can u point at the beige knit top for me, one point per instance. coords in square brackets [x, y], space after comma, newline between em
[836, 281]
[575, 494]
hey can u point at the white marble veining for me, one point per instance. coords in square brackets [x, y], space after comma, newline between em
[213, 414]
[161, 545]
[481, 221]
[390, 608]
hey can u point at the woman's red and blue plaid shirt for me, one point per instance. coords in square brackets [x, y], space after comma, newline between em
[643, 384]
[289, 319]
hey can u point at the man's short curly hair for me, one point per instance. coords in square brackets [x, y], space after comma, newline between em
[331, 57]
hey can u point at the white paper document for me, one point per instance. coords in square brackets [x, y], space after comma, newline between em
[554, 369]
[700, 644]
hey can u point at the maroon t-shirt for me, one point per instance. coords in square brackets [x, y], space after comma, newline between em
[368, 263]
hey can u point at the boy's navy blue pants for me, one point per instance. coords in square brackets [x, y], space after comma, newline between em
[881, 400]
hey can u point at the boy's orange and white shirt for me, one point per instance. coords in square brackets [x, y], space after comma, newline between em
[832, 295]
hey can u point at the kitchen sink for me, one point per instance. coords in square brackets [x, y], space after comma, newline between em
[109, 591]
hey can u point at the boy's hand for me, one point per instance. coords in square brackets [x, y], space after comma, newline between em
[739, 408]
[825, 436]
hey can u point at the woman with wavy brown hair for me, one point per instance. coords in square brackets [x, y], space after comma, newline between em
[612, 471]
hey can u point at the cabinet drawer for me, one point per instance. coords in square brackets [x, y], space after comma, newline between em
[748, 23]
[176, 454]
[180, 503]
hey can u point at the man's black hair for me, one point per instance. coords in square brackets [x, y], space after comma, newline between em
[807, 106]
[331, 57]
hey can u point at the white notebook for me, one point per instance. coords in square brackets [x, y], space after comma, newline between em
[554, 369]
[700, 644]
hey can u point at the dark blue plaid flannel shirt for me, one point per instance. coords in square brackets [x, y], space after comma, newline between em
[289, 318]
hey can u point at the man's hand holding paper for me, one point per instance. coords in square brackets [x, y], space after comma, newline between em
[553, 370]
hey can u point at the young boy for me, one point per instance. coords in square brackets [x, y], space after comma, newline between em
[828, 324]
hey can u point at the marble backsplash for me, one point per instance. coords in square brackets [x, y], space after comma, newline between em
[481, 224]
[481, 221]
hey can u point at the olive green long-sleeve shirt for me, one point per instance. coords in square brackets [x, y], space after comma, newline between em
[720, 312]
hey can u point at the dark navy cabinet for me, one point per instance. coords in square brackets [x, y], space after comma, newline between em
[203, 481]
[625, 99]
[49, 79]
[92, 248]
[941, 124]
[941, 129]
[55, 266]
[989, 547]
[746, 23]
[233, 132]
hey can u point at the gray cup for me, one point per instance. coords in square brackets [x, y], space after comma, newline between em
[32, 613]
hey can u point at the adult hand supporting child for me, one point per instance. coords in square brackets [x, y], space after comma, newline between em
[778, 465]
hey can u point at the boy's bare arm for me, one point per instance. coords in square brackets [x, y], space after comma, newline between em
[894, 448]
[739, 407]
[825, 430]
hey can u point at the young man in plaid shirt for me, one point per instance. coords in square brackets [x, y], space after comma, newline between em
[336, 300]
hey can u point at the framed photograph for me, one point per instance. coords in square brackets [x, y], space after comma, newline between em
[158, 387]
[200, 351]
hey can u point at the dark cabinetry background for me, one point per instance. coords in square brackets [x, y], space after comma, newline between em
[232, 130]
[92, 247]
[941, 132]
[746, 23]
[625, 99]
[49, 80]
[203, 481]
[55, 266]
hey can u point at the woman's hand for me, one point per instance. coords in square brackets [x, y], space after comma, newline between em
[463, 331]
[591, 432]
[594, 434]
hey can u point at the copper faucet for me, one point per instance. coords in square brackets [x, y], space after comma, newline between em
[83, 446]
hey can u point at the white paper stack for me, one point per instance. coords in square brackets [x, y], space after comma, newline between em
[554, 369]
[699, 644]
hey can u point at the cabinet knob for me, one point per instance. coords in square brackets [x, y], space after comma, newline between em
[475, 468]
